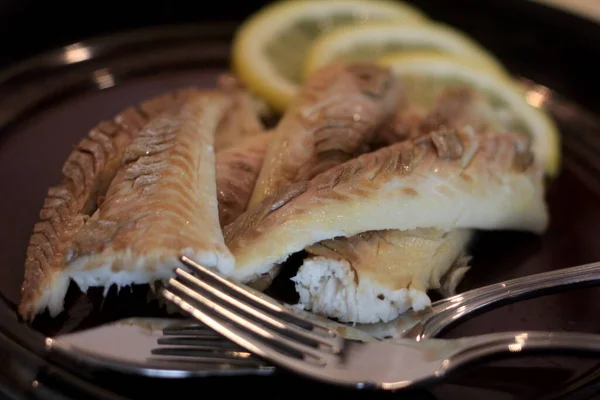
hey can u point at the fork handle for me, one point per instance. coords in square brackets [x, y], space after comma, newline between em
[475, 348]
[467, 304]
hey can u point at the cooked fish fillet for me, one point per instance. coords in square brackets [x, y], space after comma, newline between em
[241, 121]
[161, 204]
[376, 276]
[331, 121]
[86, 175]
[452, 108]
[446, 180]
[265, 112]
[240, 145]
[457, 108]
[237, 169]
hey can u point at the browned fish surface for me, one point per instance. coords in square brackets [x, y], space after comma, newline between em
[379, 255]
[237, 169]
[161, 204]
[240, 145]
[86, 175]
[378, 275]
[332, 120]
[241, 121]
[375, 276]
[446, 180]
[452, 108]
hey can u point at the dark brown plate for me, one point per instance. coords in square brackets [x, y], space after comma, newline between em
[49, 103]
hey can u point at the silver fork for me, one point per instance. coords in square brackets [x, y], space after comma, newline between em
[265, 328]
[452, 310]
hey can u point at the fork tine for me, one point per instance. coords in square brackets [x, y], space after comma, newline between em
[222, 345]
[240, 329]
[312, 337]
[212, 363]
[200, 332]
[200, 344]
[205, 271]
[213, 323]
[179, 354]
[260, 330]
[199, 352]
[280, 311]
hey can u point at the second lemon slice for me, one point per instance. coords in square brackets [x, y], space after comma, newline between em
[370, 41]
[426, 74]
[269, 48]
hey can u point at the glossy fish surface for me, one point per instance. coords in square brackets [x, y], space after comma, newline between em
[160, 204]
[86, 175]
[237, 169]
[445, 180]
[333, 119]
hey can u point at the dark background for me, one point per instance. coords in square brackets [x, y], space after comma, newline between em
[28, 27]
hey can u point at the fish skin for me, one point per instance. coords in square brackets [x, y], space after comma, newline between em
[242, 121]
[86, 175]
[410, 181]
[332, 120]
[453, 108]
[240, 146]
[456, 108]
[161, 204]
[237, 169]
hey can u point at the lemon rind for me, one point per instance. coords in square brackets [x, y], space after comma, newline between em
[453, 41]
[252, 67]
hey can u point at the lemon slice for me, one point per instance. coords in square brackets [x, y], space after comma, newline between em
[376, 39]
[269, 48]
[424, 74]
